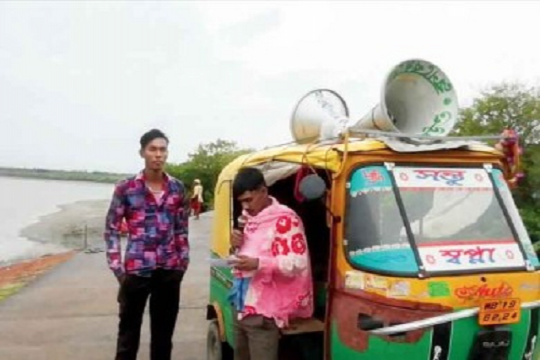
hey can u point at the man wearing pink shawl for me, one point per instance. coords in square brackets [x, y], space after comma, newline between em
[273, 282]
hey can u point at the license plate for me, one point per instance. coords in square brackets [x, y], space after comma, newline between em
[503, 311]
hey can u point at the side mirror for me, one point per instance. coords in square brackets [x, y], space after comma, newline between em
[312, 187]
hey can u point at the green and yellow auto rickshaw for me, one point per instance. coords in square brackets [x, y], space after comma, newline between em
[417, 248]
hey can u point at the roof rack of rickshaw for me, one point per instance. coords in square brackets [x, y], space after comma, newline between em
[377, 134]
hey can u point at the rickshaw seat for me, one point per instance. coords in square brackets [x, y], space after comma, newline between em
[301, 326]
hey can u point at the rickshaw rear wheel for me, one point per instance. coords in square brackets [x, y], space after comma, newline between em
[215, 348]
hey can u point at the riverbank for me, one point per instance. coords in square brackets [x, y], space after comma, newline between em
[57, 236]
[73, 226]
[72, 311]
[16, 276]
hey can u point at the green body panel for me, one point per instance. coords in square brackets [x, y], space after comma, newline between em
[219, 292]
[463, 334]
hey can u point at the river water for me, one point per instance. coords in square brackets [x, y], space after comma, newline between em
[24, 201]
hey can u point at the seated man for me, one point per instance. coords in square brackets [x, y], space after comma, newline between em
[273, 282]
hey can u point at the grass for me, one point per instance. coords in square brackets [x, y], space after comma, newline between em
[14, 277]
[10, 289]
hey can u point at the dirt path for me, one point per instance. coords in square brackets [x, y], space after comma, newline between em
[71, 312]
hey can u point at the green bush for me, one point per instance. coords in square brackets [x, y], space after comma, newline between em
[205, 164]
[531, 219]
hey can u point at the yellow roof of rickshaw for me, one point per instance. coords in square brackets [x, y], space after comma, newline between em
[319, 155]
[280, 158]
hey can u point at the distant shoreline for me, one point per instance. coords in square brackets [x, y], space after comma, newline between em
[70, 225]
[45, 174]
[73, 226]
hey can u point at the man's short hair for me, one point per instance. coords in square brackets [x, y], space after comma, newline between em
[152, 135]
[248, 179]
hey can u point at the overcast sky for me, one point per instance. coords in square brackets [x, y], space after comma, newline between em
[81, 81]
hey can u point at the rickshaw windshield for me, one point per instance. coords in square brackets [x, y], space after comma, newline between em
[457, 222]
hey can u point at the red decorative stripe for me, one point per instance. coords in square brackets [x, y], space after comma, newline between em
[469, 242]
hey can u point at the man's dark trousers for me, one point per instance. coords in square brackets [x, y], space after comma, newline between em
[163, 288]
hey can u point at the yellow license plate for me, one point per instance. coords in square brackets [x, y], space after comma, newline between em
[496, 312]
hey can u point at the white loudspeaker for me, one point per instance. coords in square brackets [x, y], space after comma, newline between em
[320, 114]
[417, 98]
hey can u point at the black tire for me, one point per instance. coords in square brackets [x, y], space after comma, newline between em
[215, 348]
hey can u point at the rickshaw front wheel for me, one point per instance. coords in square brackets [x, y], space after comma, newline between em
[215, 348]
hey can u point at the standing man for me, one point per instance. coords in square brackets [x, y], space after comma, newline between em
[156, 209]
[272, 281]
[197, 198]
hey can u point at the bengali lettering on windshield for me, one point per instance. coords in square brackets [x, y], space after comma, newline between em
[457, 220]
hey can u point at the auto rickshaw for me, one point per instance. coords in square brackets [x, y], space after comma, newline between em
[417, 248]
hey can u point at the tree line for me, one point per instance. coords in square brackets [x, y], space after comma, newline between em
[67, 175]
[205, 164]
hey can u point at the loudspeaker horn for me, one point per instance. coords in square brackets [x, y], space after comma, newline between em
[417, 98]
[320, 114]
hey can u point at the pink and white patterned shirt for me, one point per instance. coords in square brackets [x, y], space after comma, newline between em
[281, 288]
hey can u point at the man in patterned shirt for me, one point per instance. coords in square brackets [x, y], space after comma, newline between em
[155, 207]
